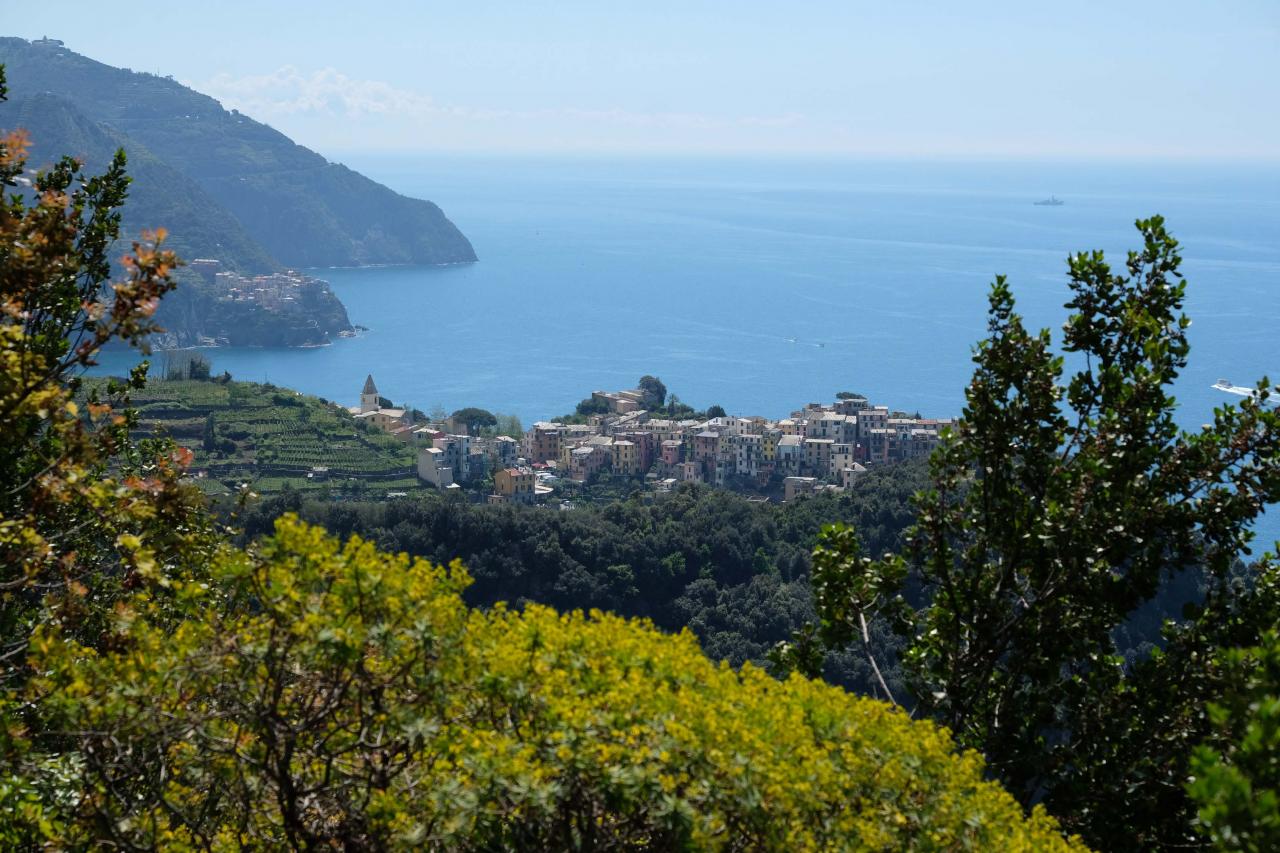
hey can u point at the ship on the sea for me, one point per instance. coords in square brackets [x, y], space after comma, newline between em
[1051, 201]
[1272, 397]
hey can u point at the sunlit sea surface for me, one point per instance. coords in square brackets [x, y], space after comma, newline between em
[763, 285]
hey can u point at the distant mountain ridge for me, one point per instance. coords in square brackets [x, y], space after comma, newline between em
[158, 196]
[224, 185]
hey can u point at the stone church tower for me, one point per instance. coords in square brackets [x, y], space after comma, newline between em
[369, 396]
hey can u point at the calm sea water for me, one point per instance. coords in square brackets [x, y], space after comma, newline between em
[763, 285]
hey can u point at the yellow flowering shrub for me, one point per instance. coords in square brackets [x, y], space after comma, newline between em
[89, 517]
[331, 695]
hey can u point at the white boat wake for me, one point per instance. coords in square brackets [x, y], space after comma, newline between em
[1224, 385]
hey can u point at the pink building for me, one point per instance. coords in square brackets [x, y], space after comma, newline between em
[671, 452]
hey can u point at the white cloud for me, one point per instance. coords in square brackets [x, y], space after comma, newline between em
[289, 92]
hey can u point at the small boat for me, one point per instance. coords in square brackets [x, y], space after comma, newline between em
[1272, 398]
[1051, 201]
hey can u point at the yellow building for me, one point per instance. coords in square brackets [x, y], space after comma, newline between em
[514, 484]
[626, 458]
[790, 426]
[769, 445]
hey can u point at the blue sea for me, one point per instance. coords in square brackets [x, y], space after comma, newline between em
[761, 285]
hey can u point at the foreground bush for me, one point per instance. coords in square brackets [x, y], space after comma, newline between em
[335, 696]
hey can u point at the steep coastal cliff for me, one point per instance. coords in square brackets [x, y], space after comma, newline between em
[301, 209]
[225, 187]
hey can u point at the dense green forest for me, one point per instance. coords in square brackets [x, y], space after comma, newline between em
[735, 572]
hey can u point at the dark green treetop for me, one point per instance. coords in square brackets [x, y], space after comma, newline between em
[1047, 528]
[474, 419]
[655, 393]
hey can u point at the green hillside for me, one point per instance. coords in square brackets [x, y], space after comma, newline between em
[303, 210]
[246, 432]
[159, 195]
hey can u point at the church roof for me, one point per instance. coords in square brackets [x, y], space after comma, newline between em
[369, 387]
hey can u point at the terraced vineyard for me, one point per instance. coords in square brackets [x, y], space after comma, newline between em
[270, 437]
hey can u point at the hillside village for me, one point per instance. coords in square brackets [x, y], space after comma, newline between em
[818, 447]
[287, 308]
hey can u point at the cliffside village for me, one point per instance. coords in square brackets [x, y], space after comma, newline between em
[280, 293]
[819, 447]
[274, 291]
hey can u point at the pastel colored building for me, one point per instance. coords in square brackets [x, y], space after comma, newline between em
[769, 445]
[466, 462]
[433, 469]
[831, 425]
[626, 458]
[817, 455]
[646, 447]
[842, 456]
[794, 487]
[748, 454]
[586, 460]
[705, 446]
[672, 450]
[852, 405]
[790, 454]
[877, 441]
[514, 485]
[689, 472]
[790, 426]
[847, 476]
[543, 440]
[504, 451]
[875, 417]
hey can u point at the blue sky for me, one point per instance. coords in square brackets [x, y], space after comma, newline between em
[1145, 80]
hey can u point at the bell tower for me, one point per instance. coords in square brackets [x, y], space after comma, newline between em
[369, 396]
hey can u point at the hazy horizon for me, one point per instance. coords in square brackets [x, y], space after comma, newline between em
[396, 155]
[1171, 81]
